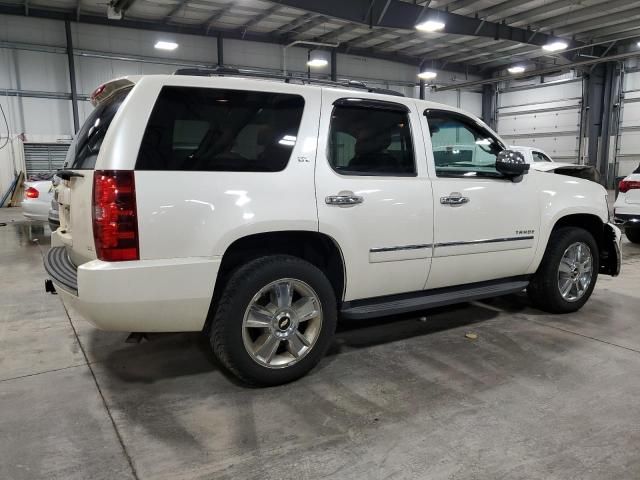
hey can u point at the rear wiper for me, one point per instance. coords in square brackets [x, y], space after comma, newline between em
[67, 174]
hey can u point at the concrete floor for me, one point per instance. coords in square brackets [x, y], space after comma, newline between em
[534, 396]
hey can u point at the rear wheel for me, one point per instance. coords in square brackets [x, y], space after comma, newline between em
[633, 234]
[275, 320]
[568, 272]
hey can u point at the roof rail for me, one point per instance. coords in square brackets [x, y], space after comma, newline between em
[235, 72]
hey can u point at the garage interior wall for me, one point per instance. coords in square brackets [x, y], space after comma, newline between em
[34, 76]
[628, 147]
[543, 113]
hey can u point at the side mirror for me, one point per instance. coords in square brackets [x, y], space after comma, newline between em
[511, 164]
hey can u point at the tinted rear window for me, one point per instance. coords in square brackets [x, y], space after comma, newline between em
[83, 151]
[206, 129]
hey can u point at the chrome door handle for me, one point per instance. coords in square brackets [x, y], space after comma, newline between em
[454, 199]
[343, 200]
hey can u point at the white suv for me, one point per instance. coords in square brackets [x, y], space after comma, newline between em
[626, 210]
[260, 211]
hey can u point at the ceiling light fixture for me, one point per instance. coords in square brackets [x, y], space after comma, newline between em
[430, 26]
[516, 69]
[318, 58]
[427, 75]
[555, 46]
[317, 62]
[162, 45]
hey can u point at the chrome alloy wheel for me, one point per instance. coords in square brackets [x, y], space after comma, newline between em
[282, 323]
[575, 271]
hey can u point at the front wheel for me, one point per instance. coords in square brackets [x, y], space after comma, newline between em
[568, 272]
[275, 320]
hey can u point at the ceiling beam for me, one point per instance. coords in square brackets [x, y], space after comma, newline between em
[375, 34]
[461, 5]
[500, 10]
[258, 18]
[201, 30]
[514, 53]
[584, 29]
[617, 29]
[630, 36]
[529, 17]
[215, 17]
[178, 6]
[542, 71]
[404, 15]
[296, 23]
[436, 44]
[301, 26]
[460, 48]
[596, 11]
[334, 34]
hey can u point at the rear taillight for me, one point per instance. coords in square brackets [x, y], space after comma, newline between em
[115, 222]
[626, 185]
[31, 193]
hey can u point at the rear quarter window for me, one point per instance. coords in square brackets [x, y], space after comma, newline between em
[83, 151]
[207, 129]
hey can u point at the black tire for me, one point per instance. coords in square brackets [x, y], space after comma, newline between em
[633, 234]
[226, 327]
[543, 289]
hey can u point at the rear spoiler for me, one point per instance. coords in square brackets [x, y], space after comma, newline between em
[107, 90]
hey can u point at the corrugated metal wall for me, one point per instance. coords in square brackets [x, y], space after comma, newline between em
[134, 54]
[44, 157]
[546, 116]
[628, 155]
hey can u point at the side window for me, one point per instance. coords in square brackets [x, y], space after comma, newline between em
[206, 129]
[365, 140]
[462, 147]
[540, 157]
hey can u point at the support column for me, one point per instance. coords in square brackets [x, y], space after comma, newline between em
[601, 90]
[72, 77]
[607, 110]
[595, 88]
[489, 105]
[422, 84]
[220, 42]
[334, 65]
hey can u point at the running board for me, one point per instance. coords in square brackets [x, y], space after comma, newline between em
[396, 304]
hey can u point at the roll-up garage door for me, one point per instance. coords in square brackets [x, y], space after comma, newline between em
[543, 116]
[44, 157]
[628, 155]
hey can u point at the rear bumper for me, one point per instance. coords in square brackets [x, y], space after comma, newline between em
[141, 296]
[35, 209]
[627, 220]
[54, 219]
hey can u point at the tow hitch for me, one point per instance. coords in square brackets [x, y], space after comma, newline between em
[49, 288]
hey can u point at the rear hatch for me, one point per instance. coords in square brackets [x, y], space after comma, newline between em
[75, 191]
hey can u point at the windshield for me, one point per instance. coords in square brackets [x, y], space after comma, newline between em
[83, 151]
